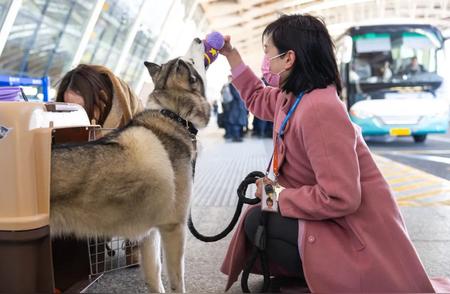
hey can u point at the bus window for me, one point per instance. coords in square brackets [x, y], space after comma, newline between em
[413, 48]
[393, 57]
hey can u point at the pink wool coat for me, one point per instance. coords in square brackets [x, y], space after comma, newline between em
[352, 237]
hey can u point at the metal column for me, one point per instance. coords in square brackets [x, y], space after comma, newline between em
[9, 22]
[60, 35]
[87, 33]
[26, 56]
[130, 37]
[155, 50]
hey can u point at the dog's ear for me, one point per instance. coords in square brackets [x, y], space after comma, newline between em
[153, 69]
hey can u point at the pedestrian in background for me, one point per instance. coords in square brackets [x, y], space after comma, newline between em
[235, 113]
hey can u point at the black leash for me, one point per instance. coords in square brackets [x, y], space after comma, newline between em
[259, 248]
[259, 245]
[260, 238]
[242, 189]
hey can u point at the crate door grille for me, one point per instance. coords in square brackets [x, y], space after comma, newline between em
[106, 254]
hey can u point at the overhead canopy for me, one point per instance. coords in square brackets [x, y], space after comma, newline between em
[245, 20]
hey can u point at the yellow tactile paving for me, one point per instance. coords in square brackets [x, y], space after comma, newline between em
[413, 187]
[414, 178]
[417, 185]
[393, 174]
[426, 151]
[423, 195]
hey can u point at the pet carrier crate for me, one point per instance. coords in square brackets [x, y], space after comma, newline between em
[106, 255]
[31, 261]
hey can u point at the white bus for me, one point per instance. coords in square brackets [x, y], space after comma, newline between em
[390, 77]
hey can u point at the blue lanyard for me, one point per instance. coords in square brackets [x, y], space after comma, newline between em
[288, 116]
[280, 135]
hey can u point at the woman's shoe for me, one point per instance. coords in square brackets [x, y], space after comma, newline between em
[288, 285]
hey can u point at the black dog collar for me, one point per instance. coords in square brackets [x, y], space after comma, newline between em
[186, 124]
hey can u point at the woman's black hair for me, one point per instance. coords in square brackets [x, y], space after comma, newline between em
[315, 62]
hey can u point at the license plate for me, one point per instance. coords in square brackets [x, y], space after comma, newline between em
[400, 132]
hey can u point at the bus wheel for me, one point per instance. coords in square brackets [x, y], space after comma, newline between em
[419, 138]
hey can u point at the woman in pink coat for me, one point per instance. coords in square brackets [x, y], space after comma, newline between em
[336, 207]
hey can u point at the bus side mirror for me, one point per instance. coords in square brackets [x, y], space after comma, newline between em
[347, 50]
[445, 44]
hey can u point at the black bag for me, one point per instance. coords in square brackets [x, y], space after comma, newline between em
[221, 120]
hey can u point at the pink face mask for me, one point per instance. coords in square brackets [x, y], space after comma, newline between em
[272, 79]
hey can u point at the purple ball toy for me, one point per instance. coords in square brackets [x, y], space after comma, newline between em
[213, 43]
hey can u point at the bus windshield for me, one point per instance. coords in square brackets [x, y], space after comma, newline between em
[394, 57]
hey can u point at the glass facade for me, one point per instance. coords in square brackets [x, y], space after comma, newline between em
[46, 35]
[4, 5]
[43, 38]
[136, 57]
[110, 32]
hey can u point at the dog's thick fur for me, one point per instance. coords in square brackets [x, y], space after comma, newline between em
[136, 181]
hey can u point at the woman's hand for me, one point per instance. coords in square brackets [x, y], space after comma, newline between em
[260, 185]
[233, 56]
[227, 47]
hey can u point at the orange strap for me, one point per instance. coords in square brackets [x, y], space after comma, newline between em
[275, 159]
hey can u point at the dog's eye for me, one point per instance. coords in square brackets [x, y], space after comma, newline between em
[192, 61]
[192, 79]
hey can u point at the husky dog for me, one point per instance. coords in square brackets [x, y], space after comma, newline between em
[137, 180]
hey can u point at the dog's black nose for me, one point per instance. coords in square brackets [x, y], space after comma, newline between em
[181, 62]
[192, 79]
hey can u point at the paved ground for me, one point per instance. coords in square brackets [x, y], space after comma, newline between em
[433, 156]
[424, 199]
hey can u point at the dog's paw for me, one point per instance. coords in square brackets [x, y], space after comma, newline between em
[152, 288]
